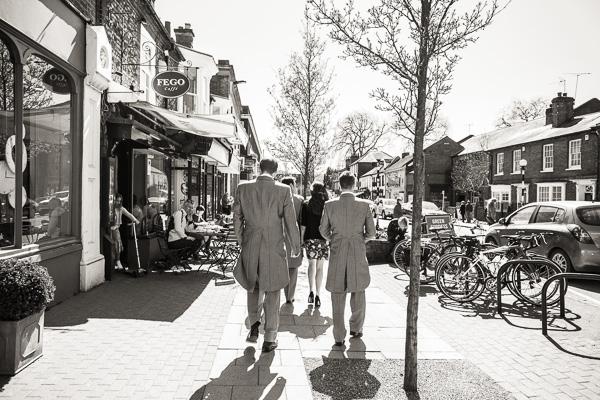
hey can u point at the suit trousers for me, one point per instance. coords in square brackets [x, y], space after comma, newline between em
[268, 302]
[290, 289]
[358, 306]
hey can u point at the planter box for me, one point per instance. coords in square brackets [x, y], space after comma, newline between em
[20, 343]
[378, 251]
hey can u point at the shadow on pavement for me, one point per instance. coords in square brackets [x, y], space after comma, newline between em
[344, 379]
[243, 372]
[3, 382]
[311, 318]
[561, 348]
[155, 297]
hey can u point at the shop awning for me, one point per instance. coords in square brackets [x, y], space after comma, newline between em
[219, 154]
[174, 122]
[240, 132]
[233, 167]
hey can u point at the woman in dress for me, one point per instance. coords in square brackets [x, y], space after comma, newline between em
[317, 250]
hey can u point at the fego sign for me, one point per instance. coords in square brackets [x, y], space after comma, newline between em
[56, 81]
[171, 84]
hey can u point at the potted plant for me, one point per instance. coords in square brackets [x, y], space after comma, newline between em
[25, 290]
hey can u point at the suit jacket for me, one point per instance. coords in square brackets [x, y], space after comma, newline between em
[294, 262]
[346, 223]
[262, 210]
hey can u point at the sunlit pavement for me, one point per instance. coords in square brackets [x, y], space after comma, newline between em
[170, 336]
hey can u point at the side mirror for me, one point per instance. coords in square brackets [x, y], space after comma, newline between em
[503, 221]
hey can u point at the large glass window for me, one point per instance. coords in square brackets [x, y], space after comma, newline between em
[7, 130]
[47, 138]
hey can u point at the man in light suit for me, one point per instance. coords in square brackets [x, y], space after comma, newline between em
[293, 262]
[262, 210]
[347, 223]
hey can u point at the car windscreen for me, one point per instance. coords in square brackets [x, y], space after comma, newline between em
[589, 215]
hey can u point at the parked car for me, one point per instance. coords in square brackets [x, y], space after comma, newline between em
[429, 210]
[388, 208]
[575, 243]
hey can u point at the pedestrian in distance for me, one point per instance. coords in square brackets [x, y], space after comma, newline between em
[347, 223]
[315, 245]
[463, 211]
[469, 211]
[263, 210]
[398, 209]
[293, 262]
[491, 211]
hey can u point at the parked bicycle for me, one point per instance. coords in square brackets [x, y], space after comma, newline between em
[464, 277]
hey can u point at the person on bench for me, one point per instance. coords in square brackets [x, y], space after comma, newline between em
[178, 239]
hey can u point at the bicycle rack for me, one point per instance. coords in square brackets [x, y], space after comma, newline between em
[502, 271]
[563, 277]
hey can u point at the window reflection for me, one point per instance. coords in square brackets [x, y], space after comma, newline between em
[47, 137]
[7, 129]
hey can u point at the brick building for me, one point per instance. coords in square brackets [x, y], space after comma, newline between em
[561, 151]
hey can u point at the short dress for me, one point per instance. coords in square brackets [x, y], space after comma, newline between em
[315, 245]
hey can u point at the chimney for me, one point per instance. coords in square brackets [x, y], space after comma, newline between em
[561, 110]
[184, 36]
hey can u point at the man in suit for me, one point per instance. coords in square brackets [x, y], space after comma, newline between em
[347, 223]
[293, 262]
[263, 209]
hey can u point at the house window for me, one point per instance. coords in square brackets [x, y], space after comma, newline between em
[499, 163]
[516, 160]
[551, 192]
[575, 154]
[502, 196]
[548, 157]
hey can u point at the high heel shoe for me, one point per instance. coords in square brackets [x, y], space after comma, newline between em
[317, 302]
[311, 298]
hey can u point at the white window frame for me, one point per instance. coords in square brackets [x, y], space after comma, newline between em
[516, 169]
[499, 163]
[502, 193]
[551, 186]
[548, 155]
[572, 154]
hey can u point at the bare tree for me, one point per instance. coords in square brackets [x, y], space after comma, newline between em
[522, 111]
[469, 171]
[302, 108]
[416, 44]
[358, 133]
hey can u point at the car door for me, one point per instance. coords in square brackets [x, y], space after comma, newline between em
[548, 219]
[517, 222]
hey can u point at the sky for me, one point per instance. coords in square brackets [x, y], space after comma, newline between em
[524, 54]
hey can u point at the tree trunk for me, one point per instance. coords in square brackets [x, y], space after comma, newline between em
[410, 363]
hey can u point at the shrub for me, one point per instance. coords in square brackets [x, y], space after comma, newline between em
[25, 289]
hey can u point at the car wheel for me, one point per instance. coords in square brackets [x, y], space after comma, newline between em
[562, 260]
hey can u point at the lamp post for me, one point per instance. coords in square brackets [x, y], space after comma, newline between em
[523, 165]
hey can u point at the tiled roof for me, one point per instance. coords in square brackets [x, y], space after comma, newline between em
[528, 132]
[399, 162]
[373, 156]
[371, 172]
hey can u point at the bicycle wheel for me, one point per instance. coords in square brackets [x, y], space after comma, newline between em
[460, 278]
[401, 255]
[528, 280]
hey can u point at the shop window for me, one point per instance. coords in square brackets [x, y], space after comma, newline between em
[7, 130]
[47, 137]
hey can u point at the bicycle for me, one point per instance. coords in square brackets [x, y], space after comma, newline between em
[464, 278]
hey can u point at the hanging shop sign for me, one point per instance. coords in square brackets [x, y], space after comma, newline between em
[171, 84]
[56, 81]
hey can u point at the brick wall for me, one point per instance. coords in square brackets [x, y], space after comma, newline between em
[86, 7]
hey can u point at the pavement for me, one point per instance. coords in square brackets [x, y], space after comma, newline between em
[168, 336]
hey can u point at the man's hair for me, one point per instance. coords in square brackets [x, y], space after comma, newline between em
[268, 165]
[289, 180]
[347, 180]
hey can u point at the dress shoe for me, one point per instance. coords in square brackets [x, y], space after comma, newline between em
[253, 335]
[340, 344]
[311, 298]
[269, 346]
[356, 334]
[317, 301]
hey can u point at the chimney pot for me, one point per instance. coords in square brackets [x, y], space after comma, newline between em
[188, 25]
[558, 94]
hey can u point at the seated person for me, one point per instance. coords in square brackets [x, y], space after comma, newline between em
[178, 239]
[198, 216]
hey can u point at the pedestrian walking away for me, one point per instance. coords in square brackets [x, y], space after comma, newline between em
[317, 250]
[398, 209]
[463, 211]
[262, 210]
[347, 223]
[293, 262]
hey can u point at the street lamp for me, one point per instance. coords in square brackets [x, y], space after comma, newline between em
[523, 165]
